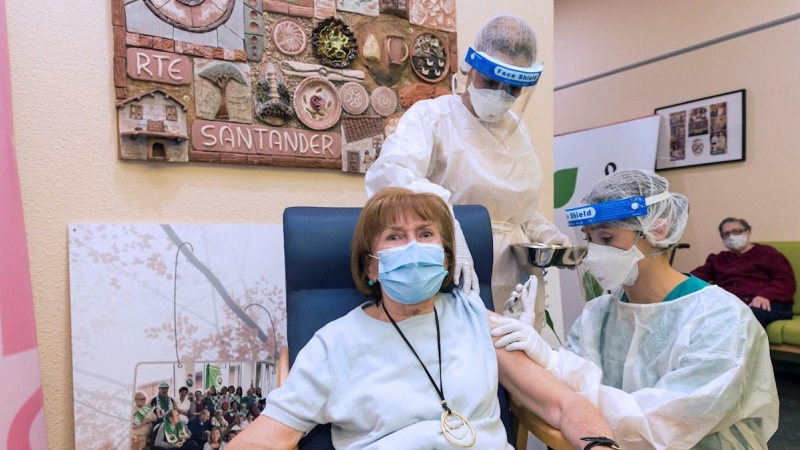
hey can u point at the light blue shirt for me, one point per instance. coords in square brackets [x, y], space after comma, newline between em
[357, 374]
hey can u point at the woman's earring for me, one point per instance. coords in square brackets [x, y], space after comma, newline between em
[371, 282]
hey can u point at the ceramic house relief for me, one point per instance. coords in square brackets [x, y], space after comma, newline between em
[363, 138]
[288, 83]
[153, 127]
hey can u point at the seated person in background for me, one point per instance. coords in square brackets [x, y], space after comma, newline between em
[231, 434]
[208, 401]
[215, 441]
[200, 427]
[173, 434]
[672, 362]
[184, 404]
[162, 402]
[250, 399]
[261, 401]
[240, 424]
[230, 414]
[223, 396]
[758, 274]
[412, 367]
[219, 421]
[144, 417]
[239, 394]
[197, 405]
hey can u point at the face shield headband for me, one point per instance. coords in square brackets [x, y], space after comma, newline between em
[612, 210]
[502, 72]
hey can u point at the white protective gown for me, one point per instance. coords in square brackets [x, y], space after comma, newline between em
[694, 372]
[441, 148]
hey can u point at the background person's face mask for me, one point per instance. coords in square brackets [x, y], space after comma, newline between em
[490, 105]
[413, 272]
[735, 243]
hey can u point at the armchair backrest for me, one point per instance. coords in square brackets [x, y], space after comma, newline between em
[791, 250]
[320, 288]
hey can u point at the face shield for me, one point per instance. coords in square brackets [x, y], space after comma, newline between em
[499, 92]
[596, 227]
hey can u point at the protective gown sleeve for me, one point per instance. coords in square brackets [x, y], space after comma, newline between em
[716, 377]
[406, 156]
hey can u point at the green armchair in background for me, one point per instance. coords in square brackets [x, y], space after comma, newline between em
[784, 335]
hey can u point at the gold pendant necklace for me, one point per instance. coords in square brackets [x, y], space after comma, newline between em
[456, 428]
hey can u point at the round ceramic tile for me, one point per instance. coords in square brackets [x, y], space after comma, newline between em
[288, 37]
[430, 58]
[197, 16]
[384, 101]
[317, 103]
[334, 43]
[355, 99]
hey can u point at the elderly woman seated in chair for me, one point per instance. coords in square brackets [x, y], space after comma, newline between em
[412, 367]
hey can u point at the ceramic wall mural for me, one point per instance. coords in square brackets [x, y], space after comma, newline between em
[291, 83]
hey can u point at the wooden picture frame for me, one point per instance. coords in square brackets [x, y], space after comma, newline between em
[700, 132]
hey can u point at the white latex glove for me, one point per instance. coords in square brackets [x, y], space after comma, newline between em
[519, 336]
[465, 269]
[539, 229]
[512, 308]
[520, 304]
[559, 239]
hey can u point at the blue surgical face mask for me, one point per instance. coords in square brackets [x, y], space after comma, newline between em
[412, 272]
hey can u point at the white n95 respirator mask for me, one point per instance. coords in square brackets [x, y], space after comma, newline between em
[612, 266]
[735, 243]
[490, 105]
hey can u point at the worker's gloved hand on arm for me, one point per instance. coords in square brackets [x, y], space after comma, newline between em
[515, 335]
[464, 276]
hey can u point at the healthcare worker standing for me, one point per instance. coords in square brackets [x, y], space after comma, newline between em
[472, 148]
[670, 361]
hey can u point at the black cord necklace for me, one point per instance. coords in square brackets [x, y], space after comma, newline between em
[455, 427]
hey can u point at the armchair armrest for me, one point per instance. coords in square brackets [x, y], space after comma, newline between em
[525, 421]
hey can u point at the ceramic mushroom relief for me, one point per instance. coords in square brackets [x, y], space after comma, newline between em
[317, 103]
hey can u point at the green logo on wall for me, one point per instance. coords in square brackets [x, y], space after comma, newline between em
[564, 186]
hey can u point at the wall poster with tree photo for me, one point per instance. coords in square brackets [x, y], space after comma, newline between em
[158, 308]
[709, 130]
